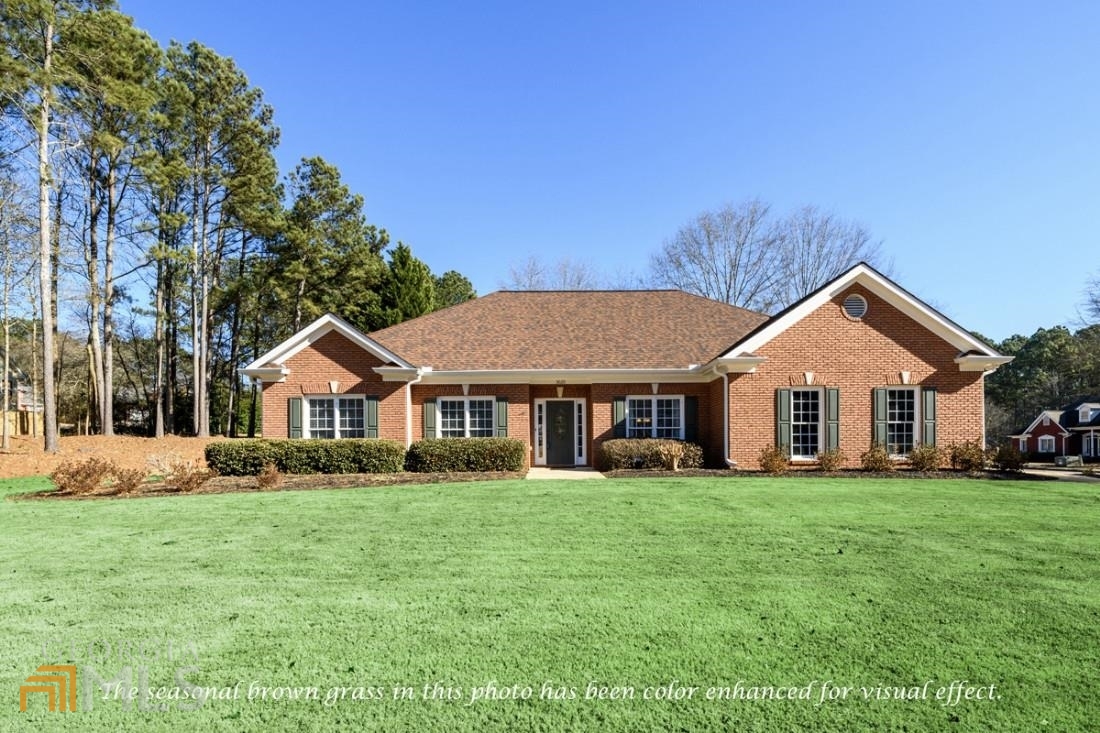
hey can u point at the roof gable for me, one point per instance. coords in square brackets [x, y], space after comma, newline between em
[272, 365]
[972, 351]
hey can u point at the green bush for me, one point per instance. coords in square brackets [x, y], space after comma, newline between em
[969, 456]
[1009, 458]
[648, 453]
[877, 459]
[925, 458]
[250, 457]
[774, 460]
[459, 455]
[831, 460]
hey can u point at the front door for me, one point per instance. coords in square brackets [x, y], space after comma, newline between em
[559, 433]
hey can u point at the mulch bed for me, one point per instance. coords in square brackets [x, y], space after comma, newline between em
[813, 473]
[242, 484]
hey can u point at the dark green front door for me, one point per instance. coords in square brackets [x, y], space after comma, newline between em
[559, 433]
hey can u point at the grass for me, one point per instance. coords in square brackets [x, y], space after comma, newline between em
[626, 582]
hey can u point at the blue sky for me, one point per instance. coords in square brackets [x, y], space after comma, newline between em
[964, 135]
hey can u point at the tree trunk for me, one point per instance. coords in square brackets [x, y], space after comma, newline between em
[91, 261]
[48, 384]
[108, 370]
[158, 341]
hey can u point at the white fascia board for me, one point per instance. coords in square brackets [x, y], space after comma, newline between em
[313, 332]
[265, 374]
[979, 363]
[397, 374]
[863, 275]
[735, 364]
[564, 376]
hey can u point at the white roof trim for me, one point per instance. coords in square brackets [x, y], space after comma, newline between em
[884, 288]
[1054, 415]
[547, 376]
[978, 363]
[275, 359]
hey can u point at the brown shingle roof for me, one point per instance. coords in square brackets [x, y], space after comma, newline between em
[604, 329]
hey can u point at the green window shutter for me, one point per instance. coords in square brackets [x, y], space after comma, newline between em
[691, 419]
[618, 417]
[879, 416]
[294, 421]
[783, 418]
[502, 417]
[372, 417]
[928, 415]
[429, 418]
[832, 418]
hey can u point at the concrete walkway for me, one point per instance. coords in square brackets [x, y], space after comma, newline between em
[1062, 475]
[568, 474]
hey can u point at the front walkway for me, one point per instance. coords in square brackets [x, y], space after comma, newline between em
[1062, 474]
[569, 474]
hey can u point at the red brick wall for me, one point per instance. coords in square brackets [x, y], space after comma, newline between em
[600, 410]
[334, 357]
[856, 357]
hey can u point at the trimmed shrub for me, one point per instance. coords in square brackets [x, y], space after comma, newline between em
[877, 459]
[82, 477]
[462, 455]
[1008, 458]
[648, 453]
[831, 460]
[968, 456]
[774, 460]
[250, 457]
[926, 458]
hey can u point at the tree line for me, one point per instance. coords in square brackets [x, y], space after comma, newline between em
[139, 193]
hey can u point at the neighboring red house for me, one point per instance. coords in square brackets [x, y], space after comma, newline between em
[858, 361]
[1071, 431]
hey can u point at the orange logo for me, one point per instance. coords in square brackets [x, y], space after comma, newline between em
[59, 687]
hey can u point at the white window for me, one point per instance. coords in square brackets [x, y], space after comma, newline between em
[658, 416]
[901, 421]
[1023, 445]
[1090, 445]
[336, 417]
[806, 429]
[466, 417]
[1046, 443]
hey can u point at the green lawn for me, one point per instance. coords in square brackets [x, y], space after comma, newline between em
[629, 583]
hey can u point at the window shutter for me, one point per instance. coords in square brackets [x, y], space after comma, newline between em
[928, 415]
[429, 418]
[294, 419]
[832, 418]
[783, 419]
[879, 417]
[618, 417]
[371, 417]
[691, 419]
[502, 417]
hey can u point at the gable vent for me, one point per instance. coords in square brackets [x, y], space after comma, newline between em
[855, 306]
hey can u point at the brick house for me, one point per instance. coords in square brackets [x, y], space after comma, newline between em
[1073, 430]
[858, 361]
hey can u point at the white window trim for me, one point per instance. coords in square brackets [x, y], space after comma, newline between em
[1090, 445]
[307, 401]
[652, 399]
[821, 409]
[917, 420]
[1022, 447]
[581, 453]
[1053, 443]
[465, 412]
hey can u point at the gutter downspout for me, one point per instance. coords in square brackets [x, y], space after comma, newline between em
[730, 463]
[408, 408]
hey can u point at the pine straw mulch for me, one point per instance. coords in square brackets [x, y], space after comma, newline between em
[246, 484]
[903, 473]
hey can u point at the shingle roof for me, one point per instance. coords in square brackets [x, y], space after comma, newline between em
[589, 329]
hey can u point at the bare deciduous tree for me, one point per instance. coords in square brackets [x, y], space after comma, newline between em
[731, 254]
[564, 274]
[741, 254]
